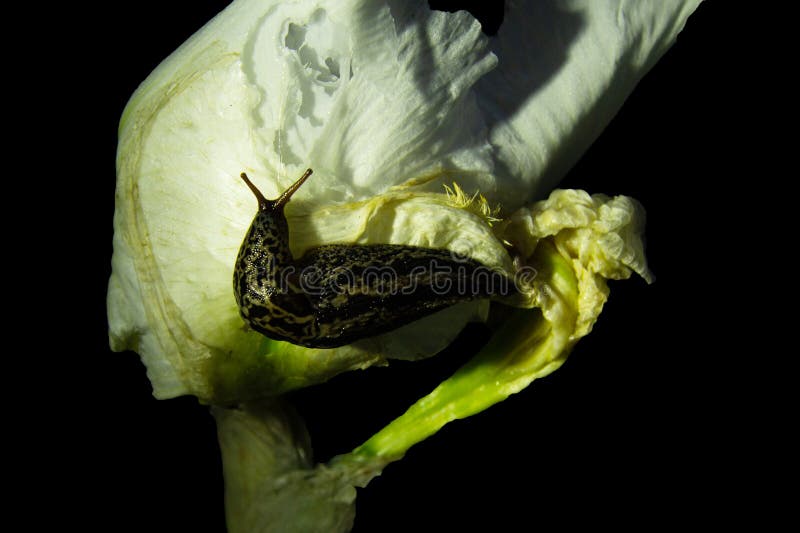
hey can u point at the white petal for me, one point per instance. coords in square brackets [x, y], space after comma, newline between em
[373, 99]
[565, 68]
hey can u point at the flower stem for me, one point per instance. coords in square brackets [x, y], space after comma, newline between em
[529, 345]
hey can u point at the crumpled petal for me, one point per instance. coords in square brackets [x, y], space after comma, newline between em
[601, 236]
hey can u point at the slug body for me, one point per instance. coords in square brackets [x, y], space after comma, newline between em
[337, 294]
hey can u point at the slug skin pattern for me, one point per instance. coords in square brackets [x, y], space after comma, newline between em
[337, 294]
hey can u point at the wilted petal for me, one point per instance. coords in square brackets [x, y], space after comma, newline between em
[600, 236]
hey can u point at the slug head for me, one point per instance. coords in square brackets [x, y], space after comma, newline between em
[265, 204]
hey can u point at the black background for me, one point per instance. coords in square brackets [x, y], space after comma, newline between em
[623, 434]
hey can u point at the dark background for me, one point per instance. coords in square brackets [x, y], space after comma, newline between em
[623, 434]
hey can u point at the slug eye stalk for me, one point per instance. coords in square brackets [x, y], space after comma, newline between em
[283, 199]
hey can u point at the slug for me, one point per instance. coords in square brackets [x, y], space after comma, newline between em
[337, 294]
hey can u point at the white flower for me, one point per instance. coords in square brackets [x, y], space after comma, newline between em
[372, 95]
[388, 102]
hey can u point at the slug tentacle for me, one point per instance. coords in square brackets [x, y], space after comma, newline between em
[339, 293]
[287, 194]
[263, 203]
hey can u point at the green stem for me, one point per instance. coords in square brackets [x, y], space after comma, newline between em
[526, 347]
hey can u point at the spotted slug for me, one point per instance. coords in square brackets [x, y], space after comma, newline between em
[337, 294]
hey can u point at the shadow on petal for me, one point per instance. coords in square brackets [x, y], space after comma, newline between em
[533, 44]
